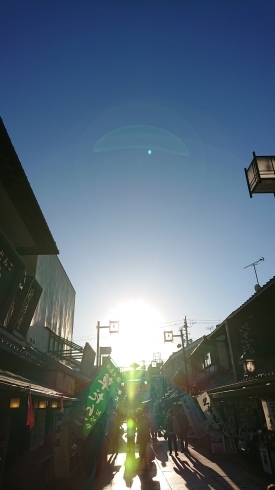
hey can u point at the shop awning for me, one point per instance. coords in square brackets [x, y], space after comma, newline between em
[256, 387]
[14, 382]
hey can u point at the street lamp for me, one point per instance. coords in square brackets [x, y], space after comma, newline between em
[260, 175]
[169, 337]
[113, 328]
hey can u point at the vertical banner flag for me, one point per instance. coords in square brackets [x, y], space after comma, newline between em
[194, 415]
[99, 394]
[269, 413]
[94, 400]
[211, 413]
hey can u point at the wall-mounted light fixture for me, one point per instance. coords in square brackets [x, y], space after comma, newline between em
[54, 404]
[248, 365]
[42, 404]
[14, 402]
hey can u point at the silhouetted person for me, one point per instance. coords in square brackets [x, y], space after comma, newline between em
[183, 429]
[131, 431]
[153, 427]
[143, 436]
[114, 432]
[172, 429]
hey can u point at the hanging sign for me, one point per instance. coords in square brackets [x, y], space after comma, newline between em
[194, 415]
[269, 412]
[12, 269]
[265, 460]
[211, 413]
[94, 401]
[99, 394]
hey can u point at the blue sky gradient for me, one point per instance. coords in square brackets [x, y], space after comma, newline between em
[171, 230]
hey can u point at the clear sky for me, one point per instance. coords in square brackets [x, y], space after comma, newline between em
[87, 88]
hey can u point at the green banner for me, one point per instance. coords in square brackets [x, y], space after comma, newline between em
[101, 390]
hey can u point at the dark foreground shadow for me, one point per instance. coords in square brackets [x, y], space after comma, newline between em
[146, 478]
[131, 468]
[160, 451]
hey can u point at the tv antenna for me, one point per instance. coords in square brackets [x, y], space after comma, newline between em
[211, 327]
[257, 286]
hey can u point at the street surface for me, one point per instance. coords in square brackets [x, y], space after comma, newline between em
[195, 471]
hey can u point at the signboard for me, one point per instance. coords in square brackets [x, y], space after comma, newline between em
[12, 269]
[61, 460]
[100, 392]
[194, 415]
[211, 413]
[269, 413]
[38, 433]
[94, 401]
[25, 304]
[265, 460]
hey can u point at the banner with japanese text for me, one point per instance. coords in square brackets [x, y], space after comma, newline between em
[100, 392]
[269, 413]
[211, 413]
[194, 415]
[94, 400]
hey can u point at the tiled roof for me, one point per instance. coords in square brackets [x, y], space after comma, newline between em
[252, 297]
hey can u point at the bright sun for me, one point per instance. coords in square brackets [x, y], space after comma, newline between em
[138, 332]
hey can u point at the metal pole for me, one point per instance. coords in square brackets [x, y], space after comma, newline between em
[186, 330]
[256, 274]
[184, 359]
[97, 346]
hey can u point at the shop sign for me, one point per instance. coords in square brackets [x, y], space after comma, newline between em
[265, 460]
[61, 444]
[269, 412]
[12, 270]
[246, 340]
[25, 304]
[194, 415]
[94, 402]
[211, 413]
[38, 433]
[100, 392]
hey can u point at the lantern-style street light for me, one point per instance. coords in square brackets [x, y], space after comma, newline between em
[260, 175]
[248, 364]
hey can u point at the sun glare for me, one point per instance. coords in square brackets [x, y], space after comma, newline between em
[138, 324]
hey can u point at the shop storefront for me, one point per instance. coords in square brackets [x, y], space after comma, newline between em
[247, 409]
[30, 439]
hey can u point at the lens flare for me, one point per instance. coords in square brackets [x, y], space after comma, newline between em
[141, 136]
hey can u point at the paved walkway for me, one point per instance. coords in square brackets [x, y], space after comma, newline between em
[194, 471]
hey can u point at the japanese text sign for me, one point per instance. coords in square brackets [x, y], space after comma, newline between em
[194, 415]
[269, 412]
[99, 394]
[211, 413]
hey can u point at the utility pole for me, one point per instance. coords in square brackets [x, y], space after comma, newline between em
[184, 357]
[169, 337]
[185, 326]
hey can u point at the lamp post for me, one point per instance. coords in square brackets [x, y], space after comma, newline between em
[169, 337]
[113, 328]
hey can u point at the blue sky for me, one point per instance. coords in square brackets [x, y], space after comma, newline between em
[162, 232]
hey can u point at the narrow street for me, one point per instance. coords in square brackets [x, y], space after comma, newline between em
[193, 471]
